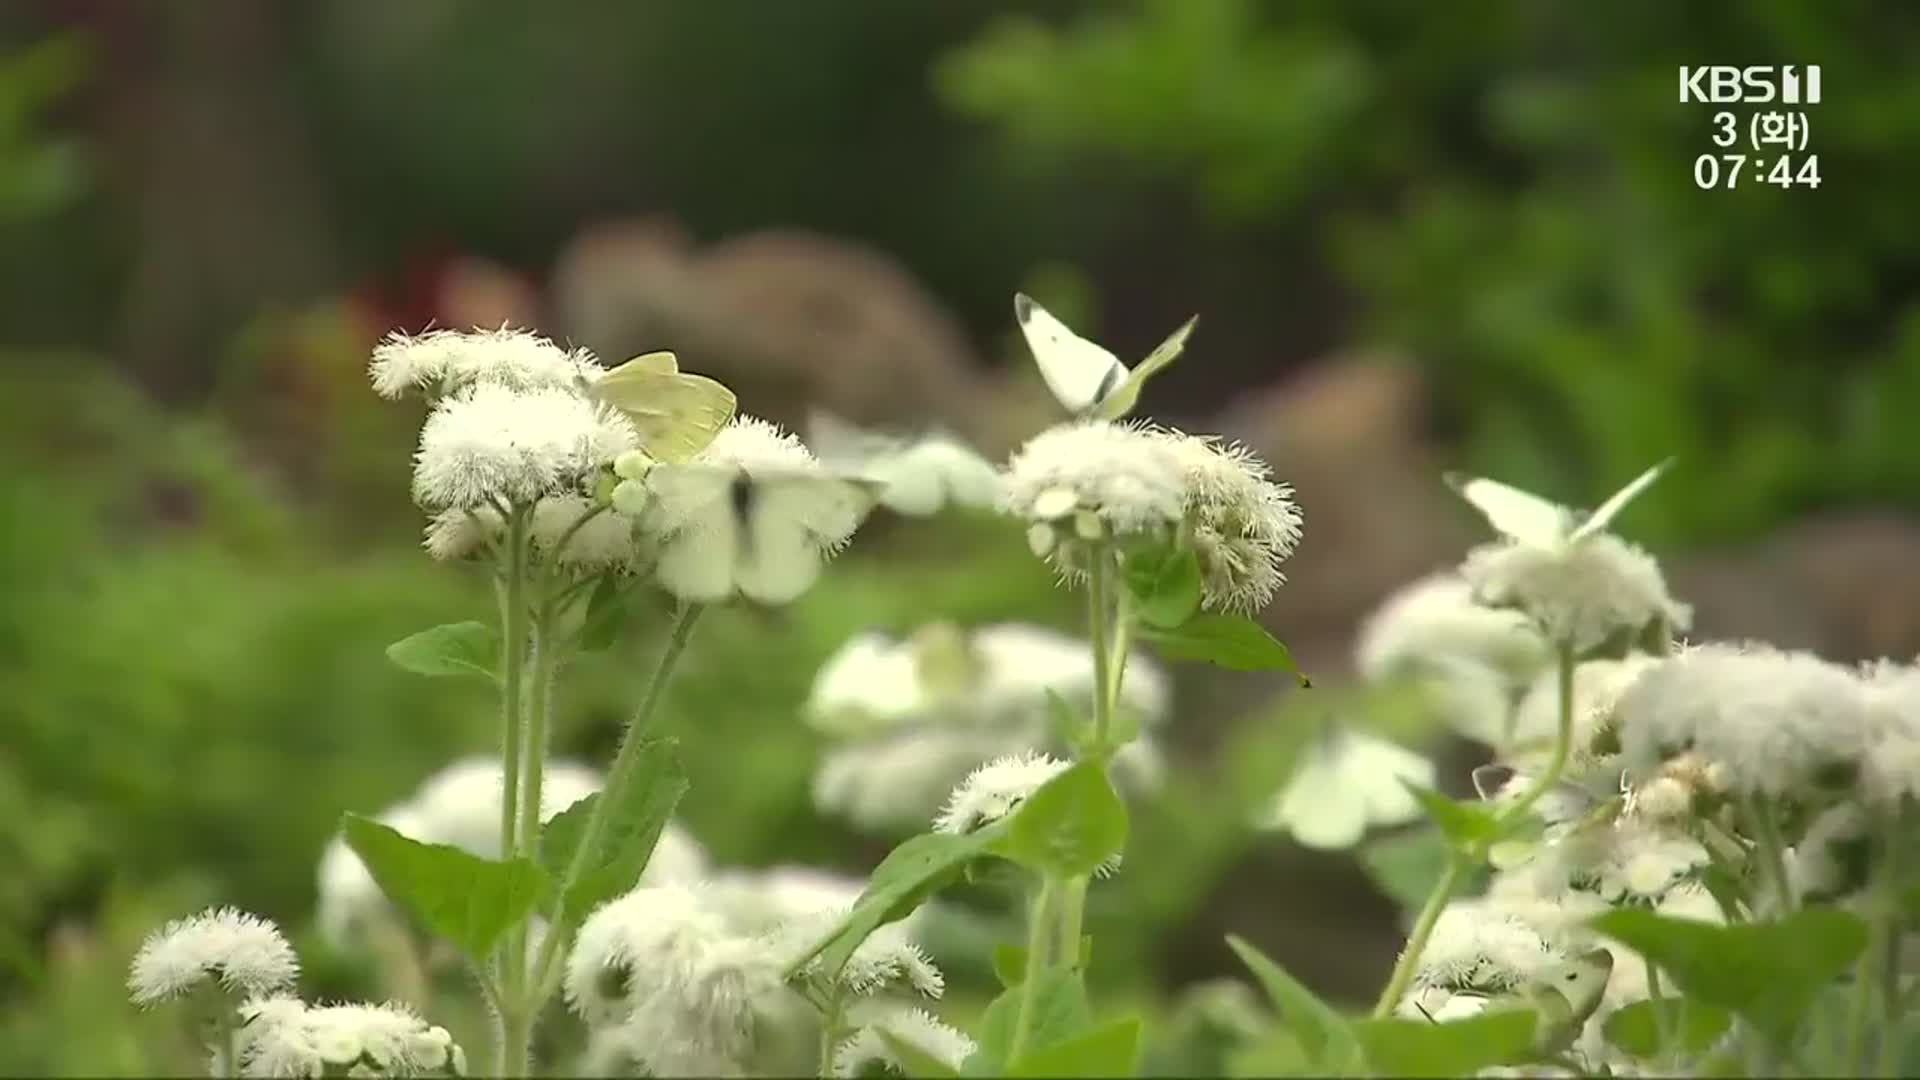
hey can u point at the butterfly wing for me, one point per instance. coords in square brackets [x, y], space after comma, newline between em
[1378, 772]
[932, 472]
[1607, 511]
[675, 413]
[1080, 373]
[1125, 396]
[1318, 808]
[692, 508]
[845, 446]
[790, 522]
[1516, 514]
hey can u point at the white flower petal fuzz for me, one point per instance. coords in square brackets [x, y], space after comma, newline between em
[1435, 622]
[281, 1037]
[246, 954]
[1122, 473]
[1241, 524]
[865, 1052]
[1581, 594]
[445, 361]
[992, 791]
[493, 445]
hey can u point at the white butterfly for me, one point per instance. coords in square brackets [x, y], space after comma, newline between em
[1346, 783]
[763, 535]
[918, 475]
[1087, 379]
[1538, 522]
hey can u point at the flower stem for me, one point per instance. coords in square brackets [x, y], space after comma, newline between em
[1073, 905]
[619, 776]
[1040, 920]
[1773, 858]
[1870, 975]
[516, 1039]
[1403, 968]
[534, 757]
[831, 1025]
[513, 643]
[1662, 1024]
[1436, 902]
[1100, 630]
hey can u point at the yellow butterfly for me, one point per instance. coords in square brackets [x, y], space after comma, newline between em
[676, 413]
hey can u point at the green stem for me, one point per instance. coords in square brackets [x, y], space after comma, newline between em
[1040, 921]
[1893, 1029]
[1662, 1025]
[1871, 976]
[1562, 743]
[619, 776]
[1773, 858]
[1403, 968]
[1073, 906]
[831, 1027]
[1100, 628]
[516, 1040]
[513, 642]
[226, 1047]
[534, 759]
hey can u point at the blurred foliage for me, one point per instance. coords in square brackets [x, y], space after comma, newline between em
[40, 171]
[1507, 190]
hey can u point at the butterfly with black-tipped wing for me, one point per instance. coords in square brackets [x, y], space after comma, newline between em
[1529, 519]
[1086, 379]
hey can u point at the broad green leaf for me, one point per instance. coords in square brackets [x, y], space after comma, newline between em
[1695, 1024]
[462, 648]
[1059, 1012]
[1277, 1053]
[1010, 963]
[1111, 1049]
[606, 609]
[1406, 865]
[915, 1062]
[1768, 973]
[1164, 583]
[1069, 827]
[1397, 1047]
[904, 879]
[1466, 825]
[626, 841]
[459, 896]
[1228, 641]
[1323, 1034]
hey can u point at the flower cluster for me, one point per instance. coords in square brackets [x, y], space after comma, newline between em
[911, 718]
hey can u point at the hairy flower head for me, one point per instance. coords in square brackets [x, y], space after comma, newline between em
[1581, 594]
[867, 1053]
[993, 790]
[285, 1038]
[493, 444]
[246, 954]
[1121, 477]
[1241, 524]
[445, 361]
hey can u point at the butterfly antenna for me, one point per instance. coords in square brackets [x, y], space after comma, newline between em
[1425, 1013]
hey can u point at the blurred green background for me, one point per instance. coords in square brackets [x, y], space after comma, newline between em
[1419, 237]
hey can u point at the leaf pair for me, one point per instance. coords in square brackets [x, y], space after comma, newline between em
[1163, 584]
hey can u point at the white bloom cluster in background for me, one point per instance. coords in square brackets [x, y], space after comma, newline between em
[460, 805]
[685, 979]
[285, 1037]
[1092, 480]
[909, 719]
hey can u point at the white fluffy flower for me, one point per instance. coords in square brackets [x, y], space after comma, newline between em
[1580, 594]
[492, 443]
[1242, 524]
[1597, 686]
[993, 790]
[1774, 719]
[888, 958]
[900, 778]
[1022, 665]
[443, 361]
[1485, 946]
[663, 969]
[757, 901]
[870, 683]
[1643, 863]
[1345, 783]
[593, 538]
[246, 954]
[281, 1037]
[459, 533]
[1890, 774]
[1435, 623]
[1123, 475]
[866, 1052]
[752, 514]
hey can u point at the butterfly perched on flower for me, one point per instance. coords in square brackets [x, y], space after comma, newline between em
[1529, 519]
[674, 413]
[1085, 378]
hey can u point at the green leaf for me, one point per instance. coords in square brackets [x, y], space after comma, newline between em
[1396, 1047]
[1111, 1049]
[904, 879]
[1058, 1013]
[1696, 1024]
[628, 838]
[1466, 825]
[1768, 973]
[459, 896]
[1322, 1033]
[1406, 865]
[1164, 583]
[462, 648]
[1069, 827]
[1228, 641]
[606, 610]
[914, 1061]
[1009, 963]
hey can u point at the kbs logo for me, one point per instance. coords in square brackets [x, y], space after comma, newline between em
[1787, 84]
